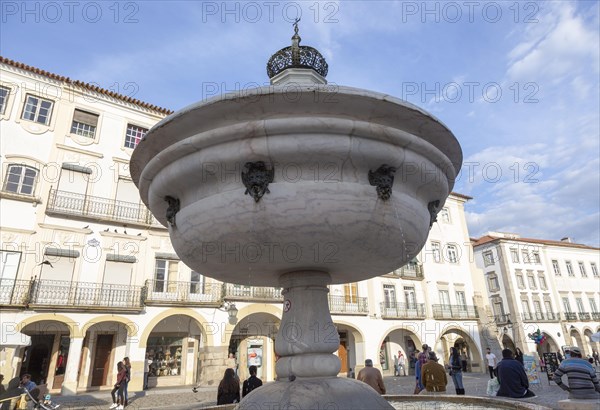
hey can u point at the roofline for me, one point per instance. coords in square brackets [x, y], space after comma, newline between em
[546, 242]
[85, 86]
[463, 196]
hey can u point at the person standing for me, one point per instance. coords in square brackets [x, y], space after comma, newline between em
[229, 388]
[401, 364]
[395, 365]
[519, 356]
[433, 376]
[455, 366]
[596, 357]
[119, 399]
[251, 382]
[512, 377]
[464, 361]
[421, 360]
[372, 377]
[583, 381]
[491, 361]
[127, 365]
[147, 362]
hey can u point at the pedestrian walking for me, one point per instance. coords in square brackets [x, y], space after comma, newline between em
[251, 382]
[229, 388]
[127, 365]
[117, 392]
[372, 377]
[491, 362]
[401, 364]
[455, 370]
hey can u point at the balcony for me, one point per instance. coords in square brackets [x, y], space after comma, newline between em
[162, 292]
[595, 315]
[14, 292]
[252, 293]
[402, 310]
[584, 316]
[570, 316]
[99, 209]
[56, 294]
[412, 271]
[502, 319]
[348, 305]
[455, 312]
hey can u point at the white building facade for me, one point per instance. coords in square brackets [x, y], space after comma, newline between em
[545, 285]
[88, 276]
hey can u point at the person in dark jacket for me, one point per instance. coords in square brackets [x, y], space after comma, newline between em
[512, 377]
[251, 382]
[229, 388]
[519, 356]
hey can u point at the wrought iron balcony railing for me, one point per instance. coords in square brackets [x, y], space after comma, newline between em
[455, 312]
[410, 271]
[160, 292]
[348, 305]
[14, 292]
[595, 315]
[98, 208]
[584, 316]
[502, 319]
[59, 294]
[239, 292]
[570, 316]
[393, 310]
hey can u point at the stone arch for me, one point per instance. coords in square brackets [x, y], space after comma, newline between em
[72, 325]
[590, 345]
[352, 346]
[252, 309]
[130, 325]
[402, 338]
[192, 313]
[576, 339]
[451, 337]
[548, 346]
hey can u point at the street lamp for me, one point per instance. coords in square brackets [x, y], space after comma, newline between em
[231, 310]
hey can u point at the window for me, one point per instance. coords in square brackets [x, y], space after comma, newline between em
[196, 282]
[444, 298]
[543, 284]
[84, 124]
[526, 310]
[445, 215]
[4, 92]
[452, 254]
[389, 296]
[498, 308]
[531, 281]
[548, 306]
[536, 258]
[594, 269]
[593, 306]
[20, 179]
[569, 268]
[537, 307]
[409, 297]
[493, 282]
[9, 265]
[566, 304]
[514, 255]
[556, 267]
[520, 280]
[74, 178]
[435, 250]
[525, 256]
[37, 110]
[580, 307]
[351, 293]
[134, 135]
[165, 275]
[461, 299]
[117, 273]
[488, 258]
[582, 270]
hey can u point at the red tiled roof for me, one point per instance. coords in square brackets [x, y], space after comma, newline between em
[467, 197]
[85, 85]
[488, 238]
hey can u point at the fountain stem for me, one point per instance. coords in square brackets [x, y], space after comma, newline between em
[307, 336]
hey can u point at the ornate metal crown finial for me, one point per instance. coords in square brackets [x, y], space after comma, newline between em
[297, 56]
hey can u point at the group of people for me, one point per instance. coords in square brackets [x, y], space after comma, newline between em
[229, 387]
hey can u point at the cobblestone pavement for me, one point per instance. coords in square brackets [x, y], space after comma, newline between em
[184, 399]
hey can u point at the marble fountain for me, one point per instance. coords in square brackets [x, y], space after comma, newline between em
[299, 184]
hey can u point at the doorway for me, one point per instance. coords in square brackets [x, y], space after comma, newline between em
[36, 359]
[343, 352]
[101, 365]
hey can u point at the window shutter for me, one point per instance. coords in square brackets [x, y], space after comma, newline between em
[85, 117]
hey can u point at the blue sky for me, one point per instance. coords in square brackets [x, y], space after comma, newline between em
[516, 81]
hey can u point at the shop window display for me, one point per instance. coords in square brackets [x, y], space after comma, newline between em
[165, 353]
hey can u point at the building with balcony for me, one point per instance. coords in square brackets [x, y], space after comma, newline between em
[536, 284]
[88, 276]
